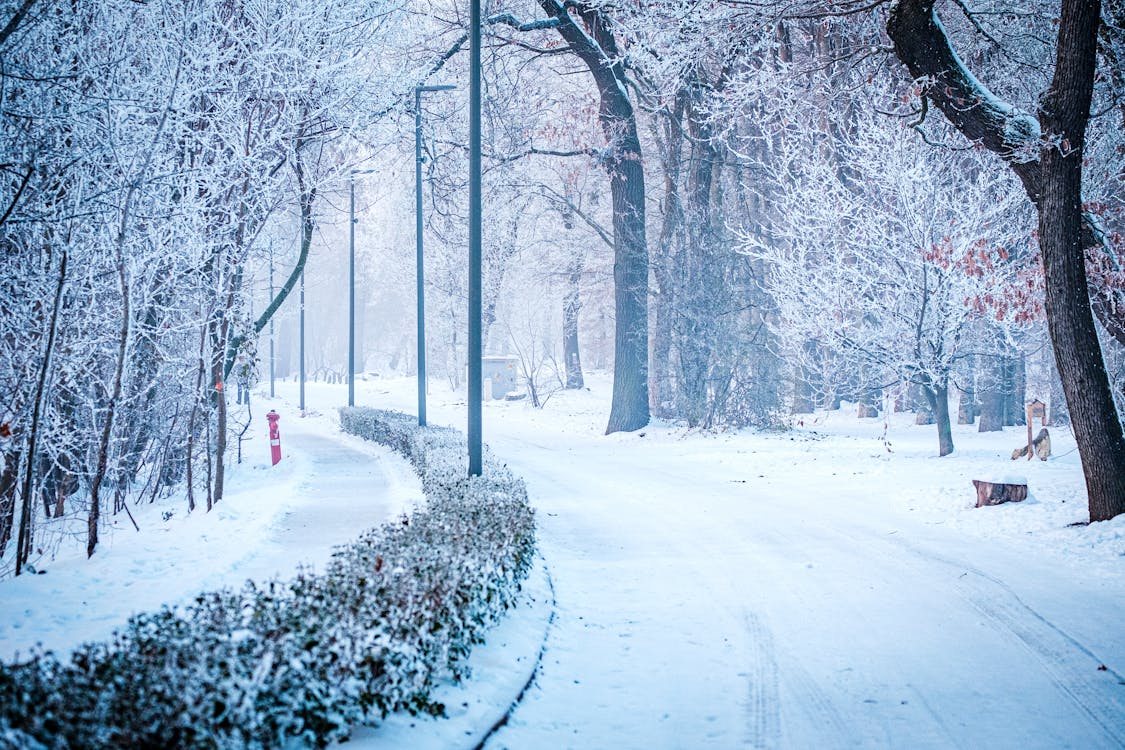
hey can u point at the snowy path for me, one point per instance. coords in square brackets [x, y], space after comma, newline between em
[702, 605]
[326, 490]
[345, 488]
[794, 590]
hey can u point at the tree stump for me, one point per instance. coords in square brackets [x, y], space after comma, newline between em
[994, 493]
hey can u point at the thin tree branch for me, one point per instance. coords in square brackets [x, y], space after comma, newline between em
[16, 20]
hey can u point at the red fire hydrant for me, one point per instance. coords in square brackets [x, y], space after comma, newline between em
[275, 436]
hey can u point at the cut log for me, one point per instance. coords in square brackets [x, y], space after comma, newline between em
[994, 493]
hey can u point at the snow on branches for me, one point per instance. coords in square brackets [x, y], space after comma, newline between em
[894, 267]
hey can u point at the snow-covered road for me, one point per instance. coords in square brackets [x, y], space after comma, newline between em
[827, 587]
[703, 606]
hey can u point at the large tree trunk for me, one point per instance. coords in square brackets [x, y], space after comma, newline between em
[990, 389]
[701, 272]
[1015, 390]
[1093, 414]
[967, 406]
[662, 379]
[597, 48]
[1053, 183]
[629, 408]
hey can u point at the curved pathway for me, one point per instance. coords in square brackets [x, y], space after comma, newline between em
[342, 486]
[708, 606]
[326, 490]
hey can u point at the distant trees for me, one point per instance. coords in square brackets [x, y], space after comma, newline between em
[712, 356]
[588, 33]
[148, 150]
[518, 132]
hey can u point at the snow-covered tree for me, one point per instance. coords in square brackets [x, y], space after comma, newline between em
[880, 274]
[1044, 146]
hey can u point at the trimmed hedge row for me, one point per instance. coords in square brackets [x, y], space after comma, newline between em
[396, 610]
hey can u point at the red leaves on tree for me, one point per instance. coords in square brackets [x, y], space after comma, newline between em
[1014, 285]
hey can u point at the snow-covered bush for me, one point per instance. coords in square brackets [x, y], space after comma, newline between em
[396, 610]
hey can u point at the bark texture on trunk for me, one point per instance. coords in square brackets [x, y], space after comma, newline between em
[1052, 178]
[662, 379]
[572, 306]
[995, 493]
[104, 443]
[23, 538]
[594, 44]
[937, 396]
[1077, 352]
[1015, 391]
[700, 268]
[967, 407]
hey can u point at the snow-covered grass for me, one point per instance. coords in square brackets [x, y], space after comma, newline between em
[260, 530]
[887, 461]
[829, 585]
[304, 658]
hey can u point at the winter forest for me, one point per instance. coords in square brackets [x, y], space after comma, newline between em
[740, 211]
[743, 209]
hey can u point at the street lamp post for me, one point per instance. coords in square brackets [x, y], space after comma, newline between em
[351, 282]
[475, 349]
[272, 393]
[421, 293]
[302, 399]
[351, 290]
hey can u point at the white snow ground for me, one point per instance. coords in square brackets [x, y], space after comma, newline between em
[792, 590]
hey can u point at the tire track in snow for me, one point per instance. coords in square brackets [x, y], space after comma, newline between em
[768, 692]
[1097, 692]
[782, 704]
[1070, 666]
[763, 706]
[1075, 670]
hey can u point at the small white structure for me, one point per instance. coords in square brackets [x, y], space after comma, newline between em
[499, 375]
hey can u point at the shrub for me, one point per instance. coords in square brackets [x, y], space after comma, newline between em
[395, 611]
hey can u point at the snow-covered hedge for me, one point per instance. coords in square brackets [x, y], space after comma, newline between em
[395, 611]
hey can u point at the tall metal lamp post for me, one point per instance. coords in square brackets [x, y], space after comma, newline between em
[272, 392]
[351, 281]
[421, 295]
[475, 348]
[302, 398]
